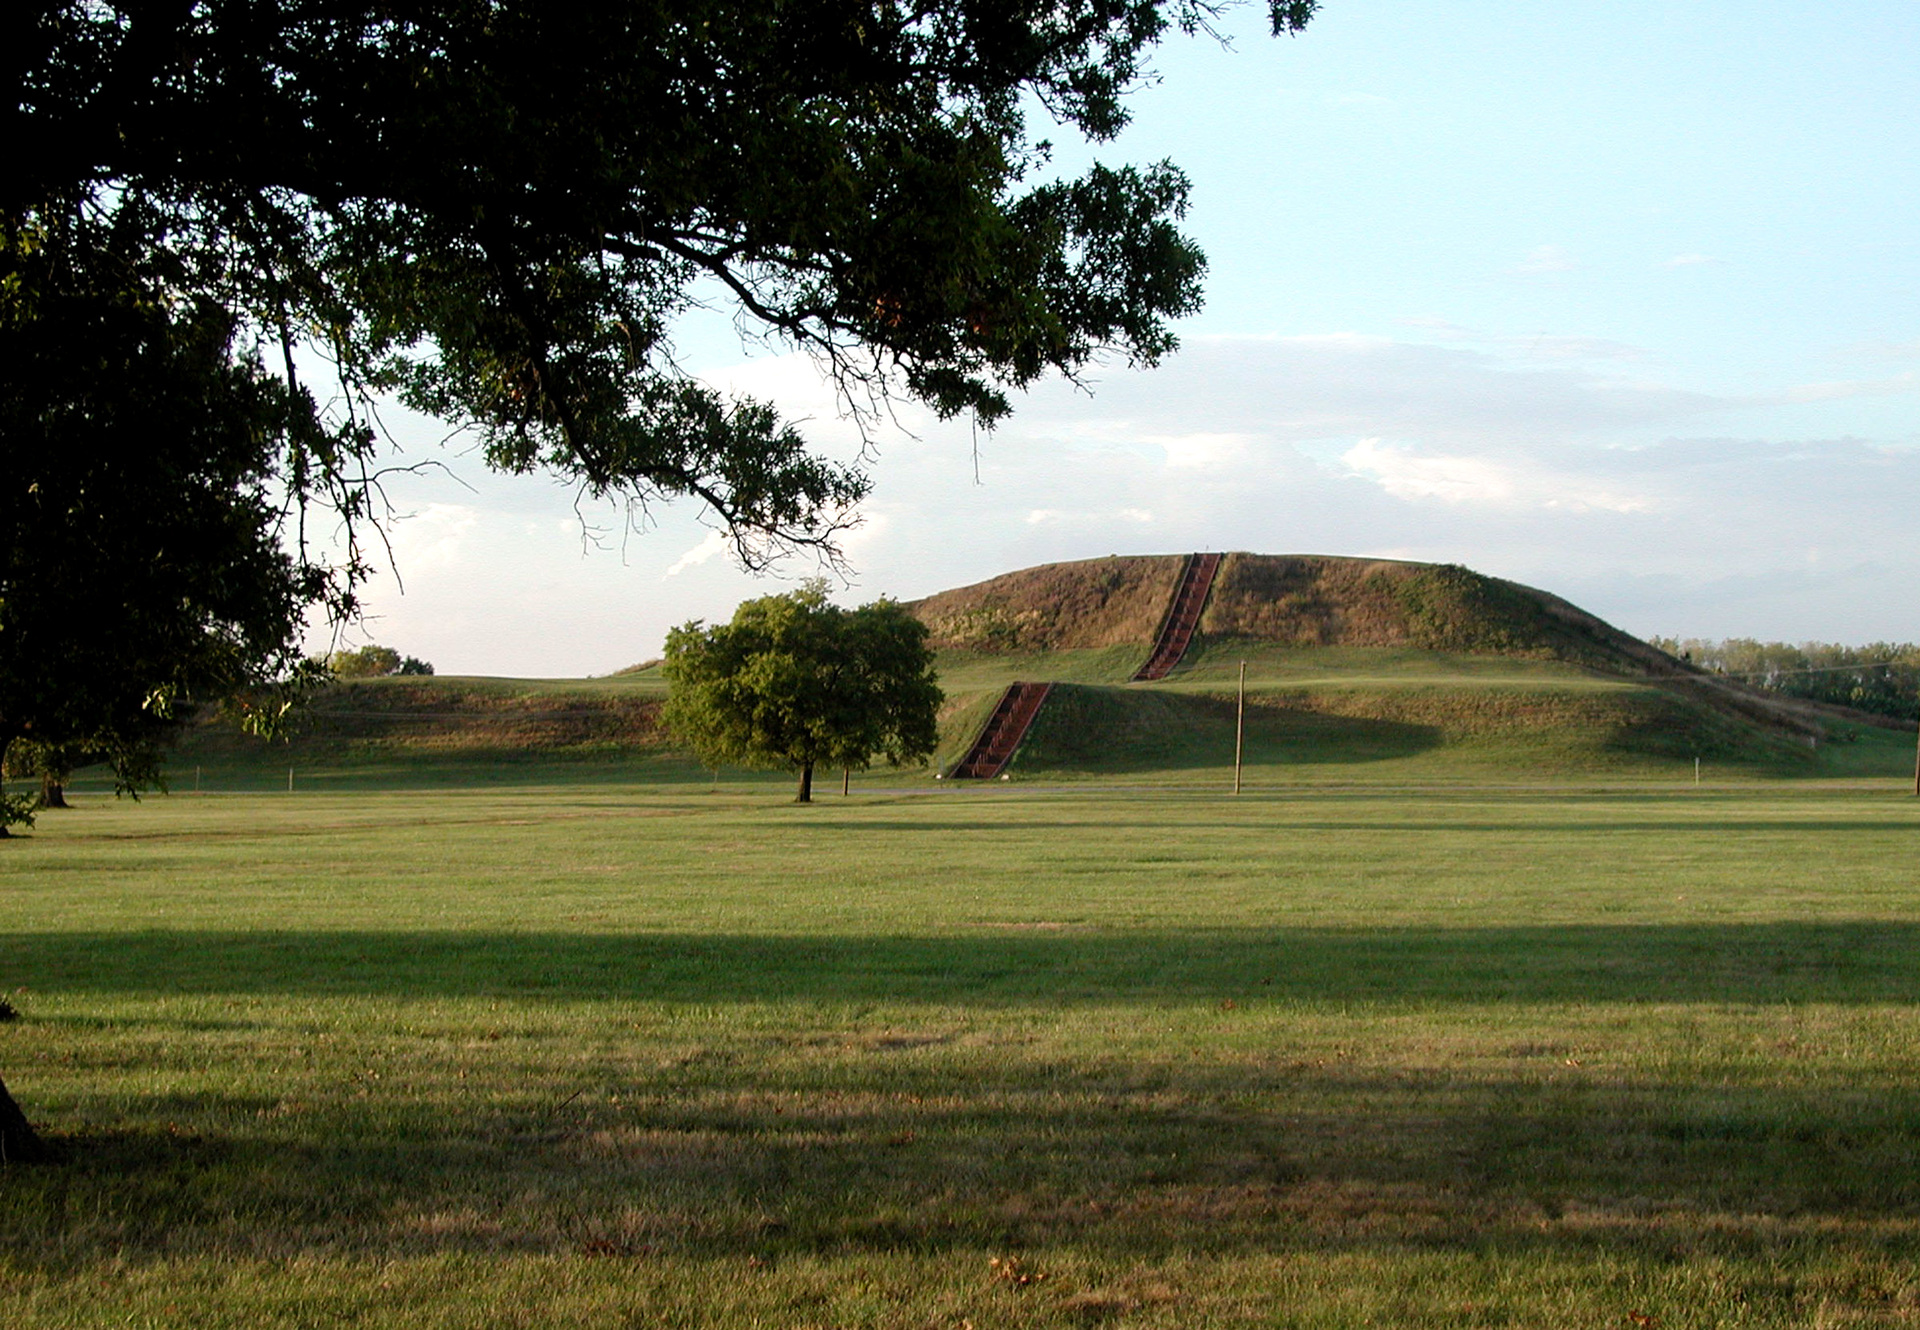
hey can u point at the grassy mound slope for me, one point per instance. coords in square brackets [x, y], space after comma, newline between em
[1291, 600]
[1301, 600]
[1426, 725]
[444, 728]
[1087, 605]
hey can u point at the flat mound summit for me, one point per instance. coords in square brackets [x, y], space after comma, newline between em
[1293, 600]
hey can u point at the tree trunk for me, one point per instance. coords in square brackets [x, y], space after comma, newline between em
[8, 736]
[18, 1144]
[806, 784]
[53, 791]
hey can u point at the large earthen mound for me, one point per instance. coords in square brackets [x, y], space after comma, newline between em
[1056, 606]
[1311, 600]
[1297, 600]
[1323, 601]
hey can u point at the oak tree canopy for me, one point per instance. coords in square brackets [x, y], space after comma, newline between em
[496, 209]
[793, 682]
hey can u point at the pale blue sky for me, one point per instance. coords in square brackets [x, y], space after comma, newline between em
[1617, 299]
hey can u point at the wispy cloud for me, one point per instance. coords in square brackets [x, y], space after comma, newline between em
[711, 546]
[1541, 345]
[1223, 398]
[1690, 260]
[1516, 483]
[1882, 350]
[1089, 518]
[434, 537]
[1546, 259]
[1836, 391]
[1451, 479]
[1201, 451]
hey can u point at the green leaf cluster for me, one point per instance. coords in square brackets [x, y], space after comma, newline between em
[374, 661]
[142, 566]
[497, 211]
[793, 682]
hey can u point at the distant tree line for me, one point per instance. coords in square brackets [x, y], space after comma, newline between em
[374, 662]
[1881, 677]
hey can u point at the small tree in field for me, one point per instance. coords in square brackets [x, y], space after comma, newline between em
[794, 683]
[374, 661]
[368, 662]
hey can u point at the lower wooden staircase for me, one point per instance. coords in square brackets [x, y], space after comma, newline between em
[1196, 580]
[1004, 730]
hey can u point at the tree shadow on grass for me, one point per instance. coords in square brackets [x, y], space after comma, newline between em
[1085, 728]
[931, 1152]
[1676, 831]
[1037, 962]
[916, 1129]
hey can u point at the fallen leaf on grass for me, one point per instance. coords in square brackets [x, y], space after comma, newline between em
[1012, 1270]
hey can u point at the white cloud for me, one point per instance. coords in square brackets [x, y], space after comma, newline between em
[1452, 479]
[433, 537]
[1690, 260]
[711, 546]
[1088, 518]
[1485, 480]
[1201, 452]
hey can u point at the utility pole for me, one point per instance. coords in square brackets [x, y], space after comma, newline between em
[1240, 732]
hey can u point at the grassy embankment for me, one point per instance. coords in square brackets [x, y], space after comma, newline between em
[1021, 1057]
[1389, 671]
[1383, 714]
[1375, 714]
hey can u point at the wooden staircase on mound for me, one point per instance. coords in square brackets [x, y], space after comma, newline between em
[1196, 580]
[1004, 730]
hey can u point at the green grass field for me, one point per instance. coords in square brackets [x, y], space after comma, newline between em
[1530, 1052]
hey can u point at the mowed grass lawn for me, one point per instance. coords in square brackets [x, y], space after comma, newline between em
[1015, 1056]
